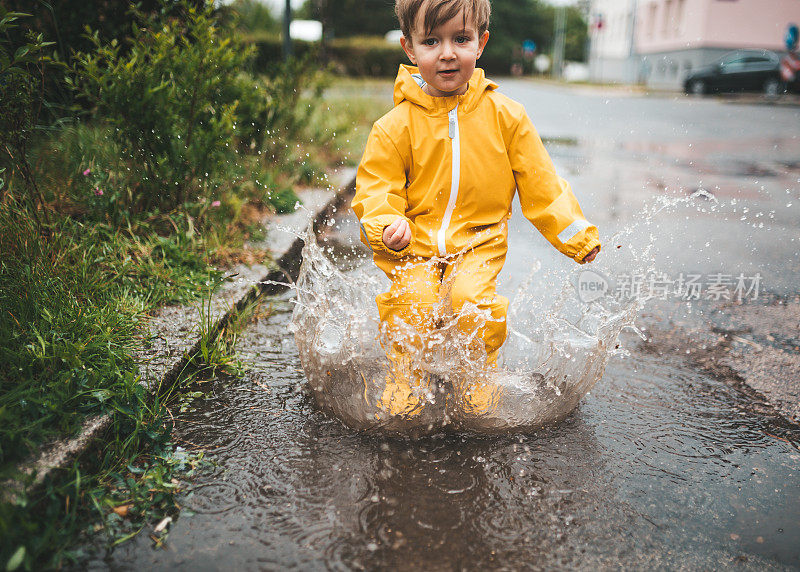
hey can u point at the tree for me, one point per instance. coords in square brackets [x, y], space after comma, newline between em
[577, 35]
[255, 16]
[513, 22]
[64, 22]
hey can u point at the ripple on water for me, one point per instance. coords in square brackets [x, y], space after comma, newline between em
[213, 498]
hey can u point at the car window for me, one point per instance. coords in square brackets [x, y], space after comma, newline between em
[734, 65]
[760, 63]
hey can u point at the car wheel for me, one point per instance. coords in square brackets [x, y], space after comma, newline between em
[773, 88]
[697, 87]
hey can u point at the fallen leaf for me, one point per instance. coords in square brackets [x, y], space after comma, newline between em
[123, 509]
[163, 524]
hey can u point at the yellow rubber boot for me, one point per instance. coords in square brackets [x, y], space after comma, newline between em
[480, 395]
[406, 388]
[406, 314]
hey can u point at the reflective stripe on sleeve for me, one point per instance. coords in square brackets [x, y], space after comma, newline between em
[366, 238]
[569, 233]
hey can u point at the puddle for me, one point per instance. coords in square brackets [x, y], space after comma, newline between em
[556, 350]
[658, 467]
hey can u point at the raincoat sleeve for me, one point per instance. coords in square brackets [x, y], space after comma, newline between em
[547, 200]
[380, 191]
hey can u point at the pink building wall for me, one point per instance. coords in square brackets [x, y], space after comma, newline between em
[669, 25]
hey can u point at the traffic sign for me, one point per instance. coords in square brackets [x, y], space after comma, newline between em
[528, 47]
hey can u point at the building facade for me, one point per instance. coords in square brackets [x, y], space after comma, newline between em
[667, 39]
[612, 54]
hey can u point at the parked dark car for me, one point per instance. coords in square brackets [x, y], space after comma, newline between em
[742, 70]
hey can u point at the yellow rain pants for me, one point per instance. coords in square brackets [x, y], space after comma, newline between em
[416, 290]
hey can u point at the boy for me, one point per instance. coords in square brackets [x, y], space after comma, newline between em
[435, 186]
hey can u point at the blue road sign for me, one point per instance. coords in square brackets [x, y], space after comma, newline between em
[528, 46]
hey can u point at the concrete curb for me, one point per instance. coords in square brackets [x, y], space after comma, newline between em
[287, 267]
[162, 363]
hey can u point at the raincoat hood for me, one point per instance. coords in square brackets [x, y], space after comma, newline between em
[409, 83]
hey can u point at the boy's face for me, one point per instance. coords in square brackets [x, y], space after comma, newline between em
[446, 57]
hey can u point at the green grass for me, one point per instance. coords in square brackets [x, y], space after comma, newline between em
[350, 107]
[72, 311]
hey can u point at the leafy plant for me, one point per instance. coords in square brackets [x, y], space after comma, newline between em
[171, 101]
[21, 82]
[217, 343]
[186, 126]
[71, 312]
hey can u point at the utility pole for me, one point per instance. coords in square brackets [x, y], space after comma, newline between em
[558, 45]
[287, 39]
[633, 54]
[322, 13]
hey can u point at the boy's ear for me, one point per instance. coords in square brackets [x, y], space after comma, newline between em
[408, 49]
[482, 42]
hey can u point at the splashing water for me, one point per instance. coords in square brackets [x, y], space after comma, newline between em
[560, 339]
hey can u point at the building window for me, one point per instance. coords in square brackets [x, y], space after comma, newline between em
[680, 8]
[667, 17]
[651, 28]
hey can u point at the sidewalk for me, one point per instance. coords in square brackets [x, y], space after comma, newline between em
[636, 90]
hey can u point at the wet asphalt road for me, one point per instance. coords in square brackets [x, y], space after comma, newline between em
[622, 152]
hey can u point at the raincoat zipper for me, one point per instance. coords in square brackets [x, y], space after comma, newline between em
[452, 131]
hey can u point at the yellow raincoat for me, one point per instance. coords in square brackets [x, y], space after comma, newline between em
[450, 166]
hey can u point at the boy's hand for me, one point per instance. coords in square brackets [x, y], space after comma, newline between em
[397, 235]
[592, 253]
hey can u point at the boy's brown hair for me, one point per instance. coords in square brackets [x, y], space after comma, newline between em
[440, 11]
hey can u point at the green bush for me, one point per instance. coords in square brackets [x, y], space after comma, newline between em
[186, 124]
[64, 21]
[357, 56]
[367, 56]
[268, 50]
[363, 56]
[171, 102]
